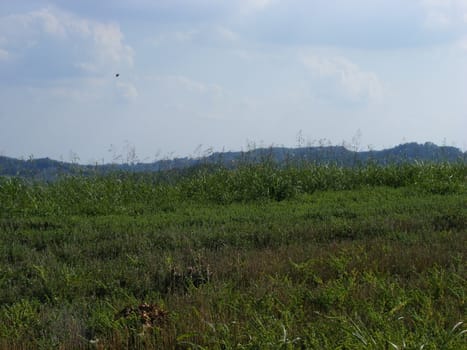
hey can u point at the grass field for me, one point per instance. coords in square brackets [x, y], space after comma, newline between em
[260, 257]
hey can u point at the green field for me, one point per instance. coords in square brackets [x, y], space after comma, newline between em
[260, 257]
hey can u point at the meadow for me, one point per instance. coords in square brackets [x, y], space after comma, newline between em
[262, 256]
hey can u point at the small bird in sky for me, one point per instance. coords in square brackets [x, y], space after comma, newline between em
[117, 75]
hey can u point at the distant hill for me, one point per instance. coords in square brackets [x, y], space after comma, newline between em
[45, 168]
[31, 167]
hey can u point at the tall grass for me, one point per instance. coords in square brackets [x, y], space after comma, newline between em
[127, 193]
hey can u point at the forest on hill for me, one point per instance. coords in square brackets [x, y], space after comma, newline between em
[47, 169]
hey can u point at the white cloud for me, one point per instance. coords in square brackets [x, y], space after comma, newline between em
[355, 83]
[48, 21]
[108, 40]
[78, 43]
[52, 23]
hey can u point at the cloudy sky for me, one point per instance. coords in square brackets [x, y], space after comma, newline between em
[197, 75]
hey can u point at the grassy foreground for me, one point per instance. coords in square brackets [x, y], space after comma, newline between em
[260, 257]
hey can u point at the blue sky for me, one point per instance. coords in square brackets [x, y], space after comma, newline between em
[197, 75]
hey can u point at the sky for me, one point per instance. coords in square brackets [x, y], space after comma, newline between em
[197, 76]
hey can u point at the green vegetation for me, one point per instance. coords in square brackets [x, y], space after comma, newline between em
[259, 257]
